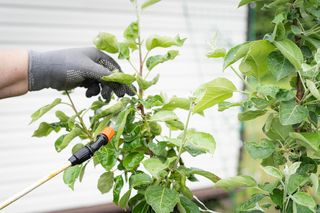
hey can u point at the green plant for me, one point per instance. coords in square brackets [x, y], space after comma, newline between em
[281, 74]
[139, 122]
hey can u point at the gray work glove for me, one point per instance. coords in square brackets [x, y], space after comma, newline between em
[69, 68]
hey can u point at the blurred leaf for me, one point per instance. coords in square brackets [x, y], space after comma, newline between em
[214, 178]
[251, 114]
[279, 66]
[291, 51]
[164, 115]
[140, 179]
[260, 150]
[105, 182]
[153, 61]
[217, 53]
[212, 93]
[132, 160]
[235, 182]
[292, 113]
[251, 203]
[149, 3]
[304, 199]
[313, 89]
[161, 199]
[244, 2]
[235, 53]
[188, 205]
[154, 165]
[175, 125]
[124, 199]
[44, 129]
[61, 144]
[295, 181]
[62, 116]
[177, 103]
[163, 41]
[308, 139]
[144, 84]
[272, 171]
[119, 77]
[118, 184]
[40, 112]
[132, 31]
[107, 42]
[70, 175]
[107, 157]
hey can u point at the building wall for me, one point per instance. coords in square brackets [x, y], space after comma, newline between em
[47, 24]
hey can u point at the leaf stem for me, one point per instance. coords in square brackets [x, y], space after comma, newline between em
[184, 134]
[240, 77]
[89, 134]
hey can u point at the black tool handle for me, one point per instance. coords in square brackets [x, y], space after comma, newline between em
[87, 152]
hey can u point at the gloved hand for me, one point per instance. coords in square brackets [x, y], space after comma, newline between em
[69, 68]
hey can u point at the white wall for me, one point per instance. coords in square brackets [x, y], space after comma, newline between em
[47, 24]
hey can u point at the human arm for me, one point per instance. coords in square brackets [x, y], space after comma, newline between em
[61, 70]
[13, 73]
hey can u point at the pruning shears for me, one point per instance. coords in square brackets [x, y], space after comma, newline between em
[77, 158]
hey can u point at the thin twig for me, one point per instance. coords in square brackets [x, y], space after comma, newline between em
[79, 117]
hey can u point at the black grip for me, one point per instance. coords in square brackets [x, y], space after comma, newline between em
[87, 152]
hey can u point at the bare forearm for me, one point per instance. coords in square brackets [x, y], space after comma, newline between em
[13, 73]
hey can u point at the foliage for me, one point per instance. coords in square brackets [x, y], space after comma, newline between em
[281, 74]
[142, 156]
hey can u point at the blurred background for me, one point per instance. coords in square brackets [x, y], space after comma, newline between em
[47, 25]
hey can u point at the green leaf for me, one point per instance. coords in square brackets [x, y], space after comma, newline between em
[175, 125]
[158, 148]
[118, 184]
[212, 93]
[124, 52]
[132, 31]
[275, 130]
[77, 147]
[140, 179]
[244, 2]
[251, 203]
[144, 84]
[101, 126]
[188, 205]
[295, 181]
[149, 3]
[70, 175]
[120, 124]
[154, 165]
[177, 103]
[291, 51]
[164, 115]
[217, 53]
[308, 139]
[153, 61]
[132, 160]
[292, 113]
[251, 114]
[279, 66]
[258, 53]
[105, 182]
[272, 171]
[227, 105]
[62, 116]
[214, 178]
[196, 142]
[235, 182]
[107, 42]
[260, 150]
[161, 199]
[107, 157]
[163, 41]
[44, 129]
[40, 112]
[119, 77]
[65, 141]
[124, 199]
[235, 53]
[304, 199]
[153, 101]
[313, 89]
